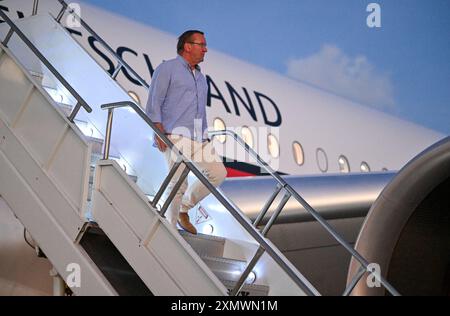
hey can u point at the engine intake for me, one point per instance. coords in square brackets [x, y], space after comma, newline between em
[407, 230]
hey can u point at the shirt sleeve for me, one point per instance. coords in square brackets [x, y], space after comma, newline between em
[158, 91]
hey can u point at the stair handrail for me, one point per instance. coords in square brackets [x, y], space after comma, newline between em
[283, 185]
[14, 29]
[292, 272]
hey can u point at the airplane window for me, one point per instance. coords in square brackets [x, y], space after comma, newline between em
[247, 135]
[298, 153]
[344, 166]
[219, 125]
[273, 146]
[322, 160]
[365, 167]
[135, 97]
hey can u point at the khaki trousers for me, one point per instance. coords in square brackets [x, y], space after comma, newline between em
[207, 161]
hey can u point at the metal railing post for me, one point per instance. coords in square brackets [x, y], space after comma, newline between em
[60, 14]
[8, 37]
[275, 214]
[62, 11]
[247, 271]
[165, 183]
[35, 7]
[108, 134]
[74, 112]
[174, 191]
[116, 71]
[354, 281]
[267, 206]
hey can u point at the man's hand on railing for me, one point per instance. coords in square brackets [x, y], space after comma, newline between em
[159, 142]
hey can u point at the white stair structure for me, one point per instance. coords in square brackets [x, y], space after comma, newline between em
[44, 167]
[47, 160]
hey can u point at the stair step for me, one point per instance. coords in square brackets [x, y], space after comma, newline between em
[210, 249]
[247, 289]
[205, 245]
[225, 268]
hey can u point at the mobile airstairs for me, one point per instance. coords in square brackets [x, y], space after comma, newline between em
[56, 128]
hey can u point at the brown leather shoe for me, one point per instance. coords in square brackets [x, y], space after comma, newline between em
[183, 221]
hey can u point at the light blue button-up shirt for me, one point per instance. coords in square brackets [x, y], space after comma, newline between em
[177, 99]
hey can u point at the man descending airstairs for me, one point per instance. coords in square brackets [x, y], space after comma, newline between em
[56, 127]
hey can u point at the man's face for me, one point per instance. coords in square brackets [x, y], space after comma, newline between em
[197, 48]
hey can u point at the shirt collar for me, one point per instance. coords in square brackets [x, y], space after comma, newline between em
[184, 62]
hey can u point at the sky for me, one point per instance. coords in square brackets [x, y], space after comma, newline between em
[401, 67]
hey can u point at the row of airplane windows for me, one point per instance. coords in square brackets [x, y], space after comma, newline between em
[273, 147]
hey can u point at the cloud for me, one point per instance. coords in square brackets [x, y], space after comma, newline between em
[355, 78]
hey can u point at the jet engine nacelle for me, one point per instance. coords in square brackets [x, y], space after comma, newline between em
[407, 230]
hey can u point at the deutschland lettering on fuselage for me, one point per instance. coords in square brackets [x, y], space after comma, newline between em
[256, 104]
